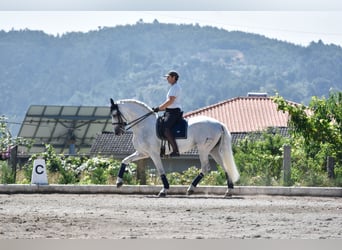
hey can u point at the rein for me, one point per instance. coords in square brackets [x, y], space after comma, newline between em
[138, 120]
[122, 120]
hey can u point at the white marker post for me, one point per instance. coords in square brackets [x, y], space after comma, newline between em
[39, 175]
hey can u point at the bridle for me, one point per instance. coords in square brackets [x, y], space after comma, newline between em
[122, 121]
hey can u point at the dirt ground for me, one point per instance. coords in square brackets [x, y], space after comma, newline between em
[24, 216]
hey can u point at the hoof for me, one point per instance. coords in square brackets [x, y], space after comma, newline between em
[162, 195]
[229, 193]
[119, 182]
[191, 190]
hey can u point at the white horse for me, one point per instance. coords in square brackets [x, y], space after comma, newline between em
[209, 136]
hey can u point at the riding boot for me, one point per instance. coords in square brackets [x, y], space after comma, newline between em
[172, 141]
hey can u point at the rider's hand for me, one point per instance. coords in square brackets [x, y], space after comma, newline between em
[156, 109]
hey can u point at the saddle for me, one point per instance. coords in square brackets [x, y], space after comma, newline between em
[179, 131]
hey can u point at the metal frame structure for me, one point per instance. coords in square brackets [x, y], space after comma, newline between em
[69, 129]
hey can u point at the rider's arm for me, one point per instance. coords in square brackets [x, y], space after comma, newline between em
[167, 103]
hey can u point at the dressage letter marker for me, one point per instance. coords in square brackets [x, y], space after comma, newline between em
[39, 175]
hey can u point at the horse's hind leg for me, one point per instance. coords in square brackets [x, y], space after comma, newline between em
[166, 186]
[191, 188]
[205, 166]
[230, 185]
[217, 157]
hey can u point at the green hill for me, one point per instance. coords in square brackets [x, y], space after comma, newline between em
[129, 62]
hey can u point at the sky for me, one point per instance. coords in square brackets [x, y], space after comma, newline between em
[298, 27]
[296, 21]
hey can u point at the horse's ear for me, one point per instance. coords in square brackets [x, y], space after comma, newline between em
[111, 102]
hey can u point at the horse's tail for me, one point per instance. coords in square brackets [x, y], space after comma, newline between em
[226, 151]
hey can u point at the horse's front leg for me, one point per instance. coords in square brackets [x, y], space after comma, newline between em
[133, 157]
[159, 165]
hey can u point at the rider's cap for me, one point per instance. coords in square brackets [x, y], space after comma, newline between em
[172, 73]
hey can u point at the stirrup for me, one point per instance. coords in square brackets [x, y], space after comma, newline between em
[174, 154]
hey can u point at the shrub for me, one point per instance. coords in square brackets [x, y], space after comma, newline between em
[6, 173]
[259, 158]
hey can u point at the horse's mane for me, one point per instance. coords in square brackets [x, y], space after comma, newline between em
[136, 102]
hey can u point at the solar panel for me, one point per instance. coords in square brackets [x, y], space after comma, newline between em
[69, 129]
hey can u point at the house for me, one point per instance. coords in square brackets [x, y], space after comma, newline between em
[242, 115]
[245, 114]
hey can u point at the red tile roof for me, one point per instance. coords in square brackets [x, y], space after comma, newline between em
[245, 114]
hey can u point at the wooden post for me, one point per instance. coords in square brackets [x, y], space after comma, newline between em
[287, 165]
[141, 172]
[13, 160]
[330, 167]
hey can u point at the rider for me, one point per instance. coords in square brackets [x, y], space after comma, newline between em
[172, 107]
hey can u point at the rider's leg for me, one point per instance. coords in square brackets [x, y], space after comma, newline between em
[172, 141]
[170, 118]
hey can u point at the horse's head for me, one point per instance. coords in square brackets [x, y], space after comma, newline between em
[118, 120]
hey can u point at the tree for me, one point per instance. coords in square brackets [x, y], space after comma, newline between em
[7, 142]
[259, 157]
[319, 125]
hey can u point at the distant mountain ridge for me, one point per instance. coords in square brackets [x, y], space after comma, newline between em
[129, 61]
